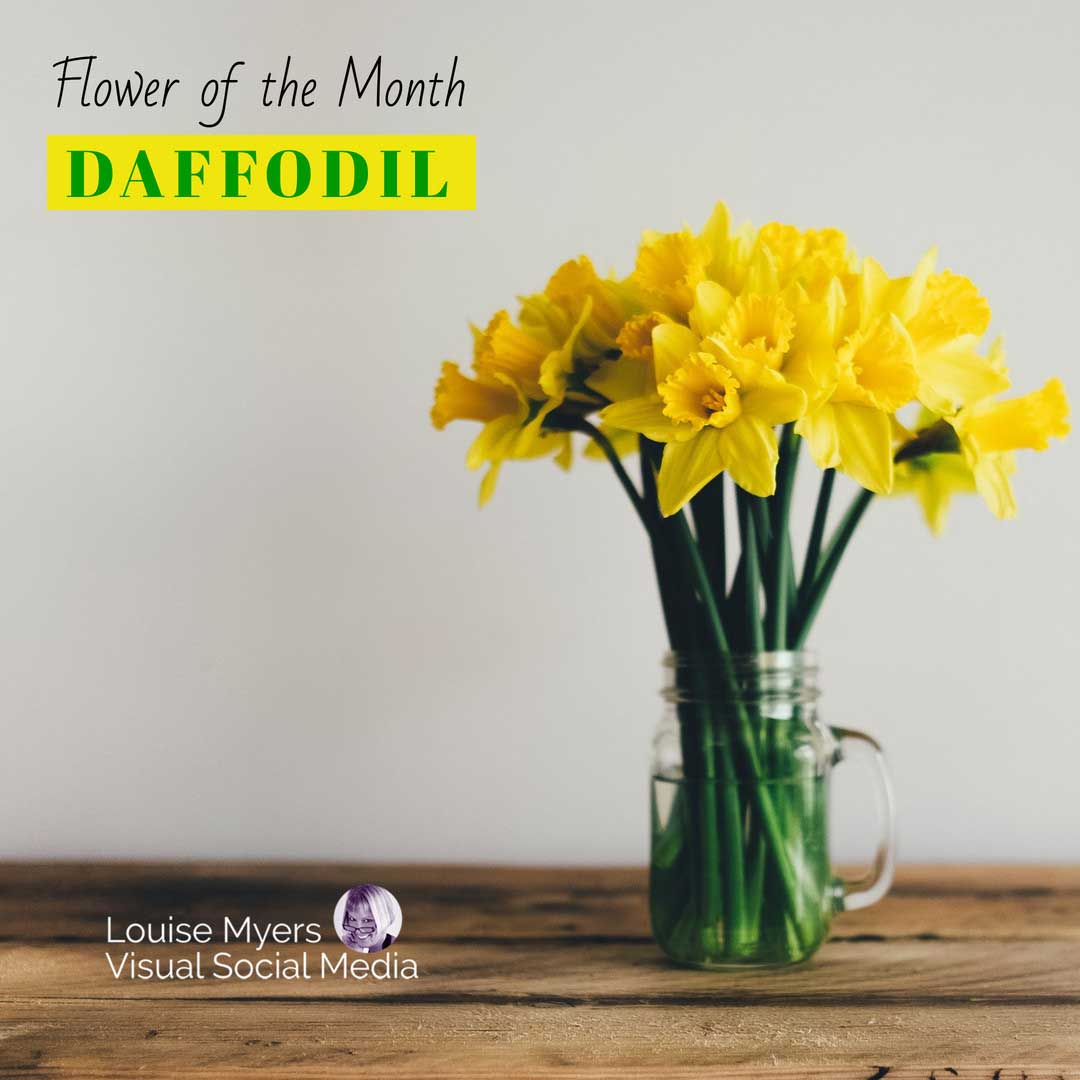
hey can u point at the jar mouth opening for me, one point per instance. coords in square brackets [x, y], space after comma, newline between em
[802, 662]
[762, 680]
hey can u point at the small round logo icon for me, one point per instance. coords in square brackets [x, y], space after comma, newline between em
[367, 918]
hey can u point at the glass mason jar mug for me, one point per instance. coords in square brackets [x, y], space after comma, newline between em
[740, 871]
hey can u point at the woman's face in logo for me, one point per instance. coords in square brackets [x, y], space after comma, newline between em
[367, 918]
[361, 928]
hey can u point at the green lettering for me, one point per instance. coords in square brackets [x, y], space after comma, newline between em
[389, 185]
[146, 177]
[421, 160]
[185, 174]
[273, 174]
[233, 172]
[78, 174]
[333, 174]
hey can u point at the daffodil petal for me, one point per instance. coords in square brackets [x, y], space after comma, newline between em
[711, 305]
[493, 441]
[620, 380]
[934, 479]
[822, 436]
[458, 397]
[559, 363]
[913, 289]
[672, 343]
[762, 277]
[992, 481]
[1023, 423]
[955, 375]
[873, 292]
[487, 484]
[715, 234]
[686, 468]
[773, 399]
[865, 438]
[749, 452]
[645, 415]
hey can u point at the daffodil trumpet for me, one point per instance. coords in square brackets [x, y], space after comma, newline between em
[723, 356]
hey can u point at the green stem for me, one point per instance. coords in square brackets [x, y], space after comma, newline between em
[780, 549]
[677, 598]
[734, 870]
[661, 557]
[759, 511]
[736, 601]
[754, 629]
[762, 528]
[755, 636]
[707, 507]
[762, 797]
[701, 577]
[817, 535]
[829, 562]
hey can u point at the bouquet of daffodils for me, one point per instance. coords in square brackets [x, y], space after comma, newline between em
[722, 354]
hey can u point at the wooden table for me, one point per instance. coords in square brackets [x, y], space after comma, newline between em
[963, 972]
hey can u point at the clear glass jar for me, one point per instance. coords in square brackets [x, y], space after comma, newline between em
[740, 871]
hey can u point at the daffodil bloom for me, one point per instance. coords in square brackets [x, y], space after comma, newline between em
[716, 397]
[973, 449]
[855, 383]
[719, 336]
[895, 340]
[576, 294]
[510, 428]
[528, 369]
[522, 372]
[945, 317]
[458, 397]
[669, 267]
[930, 467]
[934, 479]
[989, 432]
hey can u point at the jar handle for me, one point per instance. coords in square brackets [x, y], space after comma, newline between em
[869, 889]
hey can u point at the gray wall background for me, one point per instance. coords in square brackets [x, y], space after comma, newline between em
[249, 606]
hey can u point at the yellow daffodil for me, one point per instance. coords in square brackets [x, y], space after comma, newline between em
[575, 287]
[630, 374]
[973, 449]
[669, 268]
[934, 479]
[715, 400]
[510, 430]
[529, 369]
[989, 432]
[946, 317]
[458, 397]
[758, 329]
[719, 336]
[807, 255]
[522, 371]
[855, 387]
[895, 341]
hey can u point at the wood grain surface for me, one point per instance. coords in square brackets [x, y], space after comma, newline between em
[968, 972]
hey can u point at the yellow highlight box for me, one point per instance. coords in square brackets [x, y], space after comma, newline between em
[261, 172]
